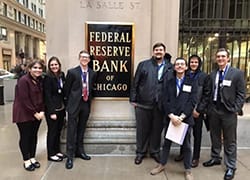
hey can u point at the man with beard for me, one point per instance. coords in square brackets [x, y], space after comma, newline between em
[146, 97]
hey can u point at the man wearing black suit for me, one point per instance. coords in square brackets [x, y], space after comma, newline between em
[226, 102]
[179, 101]
[78, 90]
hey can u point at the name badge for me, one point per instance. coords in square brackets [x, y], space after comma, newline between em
[84, 85]
[187, 88]
[227, 83]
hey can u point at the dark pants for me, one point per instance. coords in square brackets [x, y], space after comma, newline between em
[75, 129]
[28, 138]
[186, 150]
[149, 125]
[54, 133]
[197, 134]
[223, 122]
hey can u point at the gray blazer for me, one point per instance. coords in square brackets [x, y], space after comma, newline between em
[233, 91]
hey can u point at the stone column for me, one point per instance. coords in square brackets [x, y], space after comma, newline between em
[22, 41]
[165, 24]
[31, 45]
[21, 47]
[35, 48]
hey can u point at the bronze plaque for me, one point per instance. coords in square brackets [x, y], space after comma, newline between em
[112, 48]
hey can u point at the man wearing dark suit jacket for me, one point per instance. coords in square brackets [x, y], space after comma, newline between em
[226, 101]
[179, 101]
[78, 90]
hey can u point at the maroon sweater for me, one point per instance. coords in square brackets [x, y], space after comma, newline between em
[28, 99]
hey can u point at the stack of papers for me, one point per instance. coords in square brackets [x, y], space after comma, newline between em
[176, 133]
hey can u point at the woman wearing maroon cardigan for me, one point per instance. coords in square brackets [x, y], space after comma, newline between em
[28, 111]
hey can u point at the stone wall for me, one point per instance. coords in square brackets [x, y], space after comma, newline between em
[112, 124]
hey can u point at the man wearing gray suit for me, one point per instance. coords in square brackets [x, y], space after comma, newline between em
[226, 101]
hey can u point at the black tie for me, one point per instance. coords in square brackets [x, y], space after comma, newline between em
[219, 86]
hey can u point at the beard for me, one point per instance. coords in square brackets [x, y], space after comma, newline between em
[158, 58]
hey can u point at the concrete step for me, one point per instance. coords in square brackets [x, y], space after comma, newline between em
[118, 136]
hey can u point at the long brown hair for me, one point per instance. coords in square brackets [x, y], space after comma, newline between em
[49, 71]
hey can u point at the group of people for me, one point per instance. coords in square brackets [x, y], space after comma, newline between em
[50, 97]
[163, 93]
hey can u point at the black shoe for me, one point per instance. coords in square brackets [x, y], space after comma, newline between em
[69, 163]
[138, 160]
[55, 158]
[179, 158]
[36, 164]
[195, 163]
[212, 162]
[229, 174]
[156, 157]
[83, 156]
[29, 168]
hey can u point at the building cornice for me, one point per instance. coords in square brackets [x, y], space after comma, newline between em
[23, 9]
[16, 26]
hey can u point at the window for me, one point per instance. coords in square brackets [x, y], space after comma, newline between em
[232, 9]
[40, 12]
[33, 7]
[40, 27]
[3, 33]
[33, 24]
[28, 21]
[5, 10]
[15, 14]
[239, 9]
[25, 19]
[19, 16]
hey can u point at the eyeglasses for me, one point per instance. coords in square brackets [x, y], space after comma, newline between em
[223, 56]
[180, 64]
[84, 56]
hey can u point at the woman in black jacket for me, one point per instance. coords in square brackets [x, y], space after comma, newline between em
[54, 108]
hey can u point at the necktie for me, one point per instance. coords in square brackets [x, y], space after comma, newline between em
[219, 86]
[220, 76]
[84, 87]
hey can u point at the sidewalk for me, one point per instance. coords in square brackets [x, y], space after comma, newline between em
[100, 167]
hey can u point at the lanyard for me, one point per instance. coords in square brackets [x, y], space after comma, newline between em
[60, 83]
[160, 69]
[160, 66]
[84, 76]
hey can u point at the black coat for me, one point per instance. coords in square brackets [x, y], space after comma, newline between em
[73, 88]
[53, 93]
[184, 102]
[146, 89]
